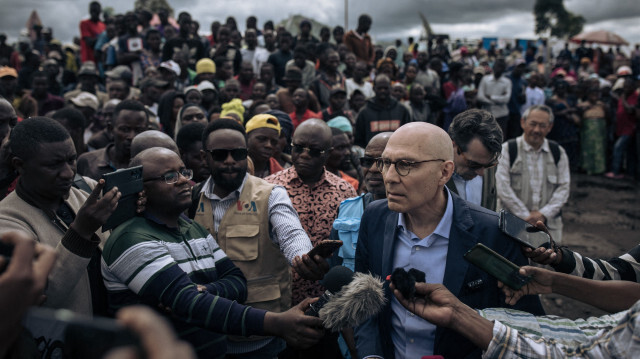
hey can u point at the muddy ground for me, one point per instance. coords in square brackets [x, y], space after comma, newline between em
[601, 220]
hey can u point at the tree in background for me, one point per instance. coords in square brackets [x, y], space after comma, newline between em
[552, 15]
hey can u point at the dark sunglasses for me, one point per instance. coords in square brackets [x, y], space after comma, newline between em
[313, 152]
[221, 154]
[367, 162]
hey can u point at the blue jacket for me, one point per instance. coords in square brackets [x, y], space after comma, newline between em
[471, 224]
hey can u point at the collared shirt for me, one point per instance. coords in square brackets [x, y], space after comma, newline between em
[535, 164]
[96, 163]
[412, 336]
[317, 205]
[286, 230]
[500, 92]
[471, 190]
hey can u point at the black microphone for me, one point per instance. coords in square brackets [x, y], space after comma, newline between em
[349, 300]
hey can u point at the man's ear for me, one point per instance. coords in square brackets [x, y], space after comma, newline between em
[17, 163]
[447, 171]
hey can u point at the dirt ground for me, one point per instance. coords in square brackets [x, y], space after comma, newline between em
[601, 220]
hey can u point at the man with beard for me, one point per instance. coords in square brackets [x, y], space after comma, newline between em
[340, 155]
[162, 258]
[477, 143]
[129, 119]
[255, 224]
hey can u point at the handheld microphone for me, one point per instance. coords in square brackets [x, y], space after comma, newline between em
[349, 300]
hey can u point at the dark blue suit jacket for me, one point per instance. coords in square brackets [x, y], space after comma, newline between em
[471, 224]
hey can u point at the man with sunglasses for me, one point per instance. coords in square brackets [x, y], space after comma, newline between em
[255, 224]
[423, 225]
[163, 259]
[477, 143]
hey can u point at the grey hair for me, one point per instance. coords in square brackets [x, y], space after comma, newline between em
[543, 108]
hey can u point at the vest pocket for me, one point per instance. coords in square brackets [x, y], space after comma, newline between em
[264, 289]
[242, 244]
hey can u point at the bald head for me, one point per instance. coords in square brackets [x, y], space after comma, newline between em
[379, 141]
[152, 154]
[315, 127]
[425, 139]
[152, 138]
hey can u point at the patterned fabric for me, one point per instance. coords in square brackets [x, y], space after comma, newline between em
[562, 330]
[593, 145]
[317, 206]
[622, 341]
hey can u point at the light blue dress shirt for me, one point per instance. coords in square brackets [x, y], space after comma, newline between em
[471, 190]
[413, 336]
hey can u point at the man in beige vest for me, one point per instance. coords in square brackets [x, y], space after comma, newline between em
[534, 186]
[255, 224]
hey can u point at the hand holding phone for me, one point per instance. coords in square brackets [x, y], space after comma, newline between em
[497, 266]
[129, 183]
[325, 248]
[523, 232]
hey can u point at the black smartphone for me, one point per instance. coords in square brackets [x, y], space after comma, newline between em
[325, 248]
[497, 266]
[85, 337]
[523, 232]
[129, 183]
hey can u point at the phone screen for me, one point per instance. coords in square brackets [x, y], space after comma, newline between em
[522, 231]
[496, 265]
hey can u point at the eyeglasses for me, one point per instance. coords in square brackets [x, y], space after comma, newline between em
[367, 161]
[403, 167]
[221, 154]
[313, 152]
[475, 166]
[173, 176]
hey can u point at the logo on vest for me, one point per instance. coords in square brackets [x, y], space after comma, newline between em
[244, 207]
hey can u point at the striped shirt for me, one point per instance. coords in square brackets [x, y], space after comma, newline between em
[625, 267]
[622, 341]
[145, 261]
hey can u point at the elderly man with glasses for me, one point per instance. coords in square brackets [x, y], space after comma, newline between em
[477, 143]
[423, 225]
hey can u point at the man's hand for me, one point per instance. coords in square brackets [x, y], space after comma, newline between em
[23, 282]
[541, 283]
[311, 268]
[534, 217]
[542, 255]
[95, 211]
[156, 336]
[298, 329]
[433, 302]
[436, 304]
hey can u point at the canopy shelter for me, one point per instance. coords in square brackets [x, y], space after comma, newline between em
[600, 37]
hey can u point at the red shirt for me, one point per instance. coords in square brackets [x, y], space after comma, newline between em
[307, 115]
[92, 29]
[626, 122]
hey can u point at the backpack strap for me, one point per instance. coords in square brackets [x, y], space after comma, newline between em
[555, 151]
[513, 151]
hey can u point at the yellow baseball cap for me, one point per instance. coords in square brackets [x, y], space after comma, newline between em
[263, 120]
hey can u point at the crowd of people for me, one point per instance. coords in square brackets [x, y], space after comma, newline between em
[255, 147]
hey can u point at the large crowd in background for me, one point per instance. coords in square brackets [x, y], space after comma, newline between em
[130, 83]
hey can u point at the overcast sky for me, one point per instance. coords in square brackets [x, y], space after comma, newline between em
[391, 18]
